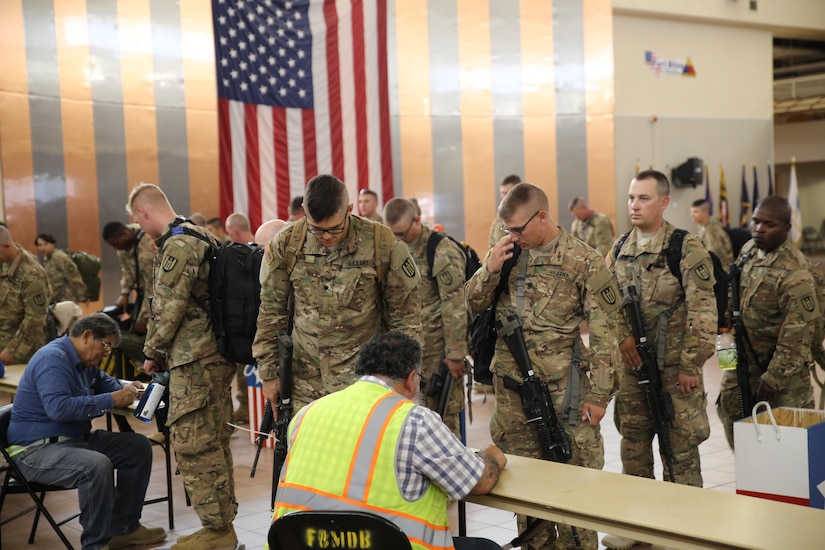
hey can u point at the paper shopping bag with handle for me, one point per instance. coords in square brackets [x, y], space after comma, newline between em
[780, 455]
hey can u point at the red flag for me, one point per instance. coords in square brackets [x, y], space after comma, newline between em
[302, 90]
[724, 215]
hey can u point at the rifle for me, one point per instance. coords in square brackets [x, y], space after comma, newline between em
[742, 367]
[539, 411]
[284, 409]
[658, 400]
[267, 424]
[440, 385]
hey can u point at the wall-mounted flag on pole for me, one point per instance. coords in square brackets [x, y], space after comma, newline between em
[755, 187]
[793, 200]
[708, 194]
[724, 215]
[302, 90]
[745, 210]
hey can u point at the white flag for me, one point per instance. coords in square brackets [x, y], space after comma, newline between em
[793, 199]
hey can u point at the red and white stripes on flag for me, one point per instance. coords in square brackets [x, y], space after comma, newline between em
[303, 90]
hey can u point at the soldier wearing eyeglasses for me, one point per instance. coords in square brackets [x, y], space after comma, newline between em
[346, 278]
[563, 282]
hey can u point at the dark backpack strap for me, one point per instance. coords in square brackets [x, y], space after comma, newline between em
[140, 235]
[432, 244]
[673, 252]
[619, 245]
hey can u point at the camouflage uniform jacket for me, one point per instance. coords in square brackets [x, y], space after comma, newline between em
[24, 300]
[64, 278]
[565, 285]
[181, 329]
[716, 240]
[129, 279]
[496, 234]
[690, 333]
[338, 301]
[779, 307]
[596, 232]
[442, 297]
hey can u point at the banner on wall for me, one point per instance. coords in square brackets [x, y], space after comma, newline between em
[669, 66]
[302, 90]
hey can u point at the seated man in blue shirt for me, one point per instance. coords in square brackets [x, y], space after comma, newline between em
[51, 438]
[370, 447]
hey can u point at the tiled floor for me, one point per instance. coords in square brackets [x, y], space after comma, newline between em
[253, 517]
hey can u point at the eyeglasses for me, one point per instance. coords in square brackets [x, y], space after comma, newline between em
[403, 235]
[107, 347]
[335, 230]
[519, 230]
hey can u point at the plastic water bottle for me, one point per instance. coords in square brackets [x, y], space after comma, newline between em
[726, 350]
[151, 397]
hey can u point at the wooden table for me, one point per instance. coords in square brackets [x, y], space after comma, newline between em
[10, 381]
[676, 516]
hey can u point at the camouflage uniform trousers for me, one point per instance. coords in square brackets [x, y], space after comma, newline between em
[797, 392]
[456, 400]
[243, 403]
[509, 430]
[200, 408]
[635, 424]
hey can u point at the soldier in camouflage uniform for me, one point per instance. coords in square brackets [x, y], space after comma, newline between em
[136, 256]
[593, 228]
[181, 339]
[779, 311]
[442, 303]
[348, 278]
[64, 278]
[565, 283]
[680, 322]
[714, 236]
[24, 301]
[496, 233]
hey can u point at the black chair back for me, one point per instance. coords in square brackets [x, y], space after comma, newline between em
[351, 529]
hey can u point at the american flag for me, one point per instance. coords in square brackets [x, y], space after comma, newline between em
[302, 90]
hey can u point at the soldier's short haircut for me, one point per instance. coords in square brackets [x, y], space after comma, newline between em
[521, 194]
[198, 219]
[512, 179]
[392, 354]
[113, 229]
[100, 324]
[779, 206]
[398, 208]
[325, 196]
[46, 237]
[296, 205]
[5, 235]
[146, 194]
[368, 192]
[662, 185]
[704, 204]
[575, 201]
[236, 219]
[214, 221]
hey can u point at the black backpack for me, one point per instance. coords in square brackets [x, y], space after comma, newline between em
[234, 294]
[738, 237]
[673, 254]
[472, 264]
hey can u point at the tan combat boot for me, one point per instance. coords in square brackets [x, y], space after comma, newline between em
[208, 539]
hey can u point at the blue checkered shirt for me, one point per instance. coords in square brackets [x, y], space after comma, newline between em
[428, 452]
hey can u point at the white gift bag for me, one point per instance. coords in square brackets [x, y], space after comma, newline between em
[780, 455]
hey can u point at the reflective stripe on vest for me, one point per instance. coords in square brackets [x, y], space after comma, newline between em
[362, 477]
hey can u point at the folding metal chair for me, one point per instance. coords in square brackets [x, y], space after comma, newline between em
[14, 482]
[356, 530]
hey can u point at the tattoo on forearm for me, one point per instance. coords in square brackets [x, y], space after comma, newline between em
[492, 470]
